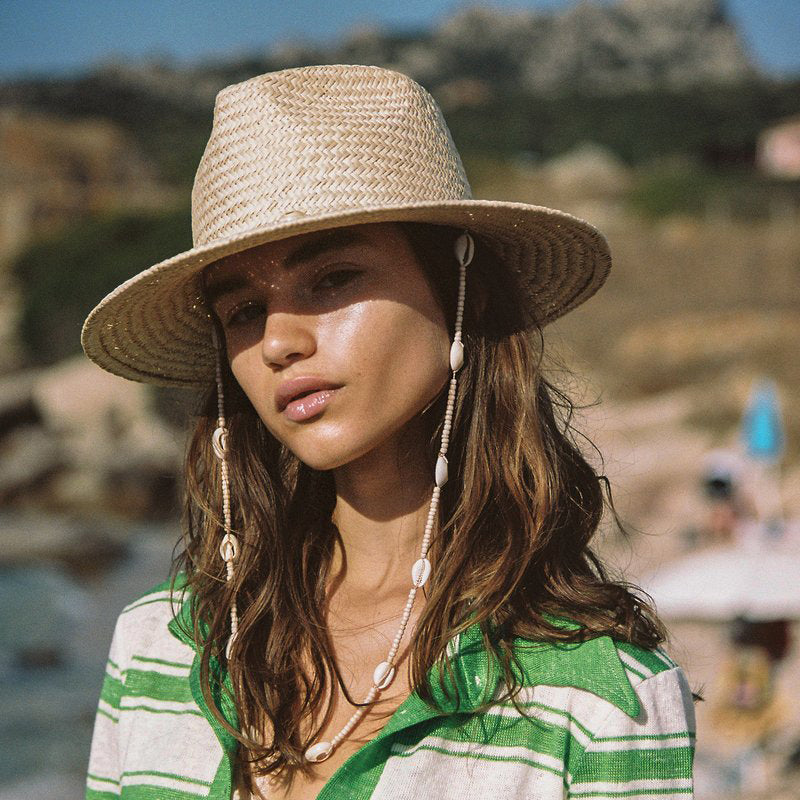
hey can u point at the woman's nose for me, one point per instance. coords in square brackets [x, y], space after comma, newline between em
[287, 338]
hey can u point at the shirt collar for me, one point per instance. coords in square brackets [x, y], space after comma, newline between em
[181, 626]
[593, 665]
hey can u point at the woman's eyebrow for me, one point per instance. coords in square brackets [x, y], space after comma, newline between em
[335, 239]
[217, 289]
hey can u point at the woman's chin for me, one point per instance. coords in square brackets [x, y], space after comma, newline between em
[325, 453]
[324, 462]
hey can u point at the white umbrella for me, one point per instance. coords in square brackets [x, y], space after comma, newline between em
[722, 583]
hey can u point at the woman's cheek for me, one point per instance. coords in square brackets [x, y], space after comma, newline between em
[414, 370]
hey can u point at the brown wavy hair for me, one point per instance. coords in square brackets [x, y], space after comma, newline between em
[510, 549]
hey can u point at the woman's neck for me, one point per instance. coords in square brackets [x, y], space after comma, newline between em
[381, 507]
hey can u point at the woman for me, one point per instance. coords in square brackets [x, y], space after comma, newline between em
[386, 588]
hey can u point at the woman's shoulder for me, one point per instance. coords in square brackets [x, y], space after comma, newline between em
[159, 603]
[617, 699]
[612, 700]
[157, 595]
[148, 627]
[151, 734]
[581, 711]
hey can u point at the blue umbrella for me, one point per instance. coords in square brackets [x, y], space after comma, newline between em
[762, 427]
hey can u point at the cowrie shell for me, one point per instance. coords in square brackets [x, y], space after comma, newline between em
[229, 547]
[318, 752]
[219, 442]
[420, 572]
[456, 355]
[383, 675]
[441, 471]
[465, 249]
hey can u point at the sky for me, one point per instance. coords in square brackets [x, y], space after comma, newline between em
[63, 36]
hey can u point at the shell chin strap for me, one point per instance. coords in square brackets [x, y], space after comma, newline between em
[229, 546]
[384, 673]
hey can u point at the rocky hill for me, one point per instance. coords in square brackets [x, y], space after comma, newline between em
[54, 170]
[610, 48]
[607, 48]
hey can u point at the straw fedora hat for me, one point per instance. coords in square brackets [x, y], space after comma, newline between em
[319, 147]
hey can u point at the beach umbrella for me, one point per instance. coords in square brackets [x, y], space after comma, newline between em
[758, 583]
[762, 427]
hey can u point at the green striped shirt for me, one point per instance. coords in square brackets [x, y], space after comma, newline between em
[599, 719]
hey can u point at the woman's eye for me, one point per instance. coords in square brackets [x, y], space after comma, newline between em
[336, 278]
[245, 313]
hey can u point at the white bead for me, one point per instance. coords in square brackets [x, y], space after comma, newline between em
[441, 471]
[318, 752]
[465, 249]
[383, 675]
[456, 356]
[420, 572]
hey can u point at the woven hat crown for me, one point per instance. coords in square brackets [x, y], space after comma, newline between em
[312, 148]
[304, 142]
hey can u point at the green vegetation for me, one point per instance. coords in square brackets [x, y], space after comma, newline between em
[715, 127]
[64, 276]
[691, 190]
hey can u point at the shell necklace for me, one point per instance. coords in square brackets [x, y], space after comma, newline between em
[384, 673]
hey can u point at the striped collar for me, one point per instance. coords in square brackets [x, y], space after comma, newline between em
[592, 665]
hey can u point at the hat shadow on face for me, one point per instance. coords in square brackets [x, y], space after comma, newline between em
[491, 300]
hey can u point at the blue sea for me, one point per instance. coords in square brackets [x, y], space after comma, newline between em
[55, 631]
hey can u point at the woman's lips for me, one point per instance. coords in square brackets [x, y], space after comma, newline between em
[308, 406]
[300, 388]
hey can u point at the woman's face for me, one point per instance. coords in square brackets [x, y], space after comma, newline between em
[335, 337]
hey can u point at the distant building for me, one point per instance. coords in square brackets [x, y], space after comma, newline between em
[778, 152]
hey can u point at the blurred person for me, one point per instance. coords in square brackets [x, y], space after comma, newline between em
[747, 711]
[721, 484]
[745, 714]
[386, 587]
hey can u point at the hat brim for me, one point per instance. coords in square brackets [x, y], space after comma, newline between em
[156, 326]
